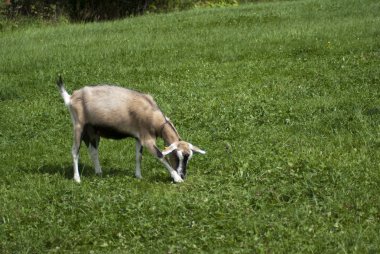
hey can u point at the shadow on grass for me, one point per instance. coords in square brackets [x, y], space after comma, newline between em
[84, 170]
[66, 171]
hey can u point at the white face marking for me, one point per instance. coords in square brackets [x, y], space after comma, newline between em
[180, 157]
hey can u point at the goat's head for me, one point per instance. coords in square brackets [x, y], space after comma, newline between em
[181, 153]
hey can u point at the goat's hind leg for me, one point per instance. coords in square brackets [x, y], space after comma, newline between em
[95, 158]
[75, 151]
[91, 139]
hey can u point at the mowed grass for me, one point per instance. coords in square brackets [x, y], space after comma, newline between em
[284, 97]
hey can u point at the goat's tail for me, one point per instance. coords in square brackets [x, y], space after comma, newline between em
[65, 95]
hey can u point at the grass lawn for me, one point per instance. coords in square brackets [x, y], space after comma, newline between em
[284, 96]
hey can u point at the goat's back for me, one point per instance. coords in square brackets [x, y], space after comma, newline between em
[112, 106]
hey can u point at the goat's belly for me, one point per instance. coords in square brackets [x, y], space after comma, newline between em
[111, 132]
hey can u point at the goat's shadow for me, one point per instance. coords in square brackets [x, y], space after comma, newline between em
[66, 171]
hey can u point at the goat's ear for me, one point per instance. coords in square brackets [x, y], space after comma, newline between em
[197, 149]
[169, 149]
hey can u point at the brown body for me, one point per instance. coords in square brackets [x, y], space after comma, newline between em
[116, 112]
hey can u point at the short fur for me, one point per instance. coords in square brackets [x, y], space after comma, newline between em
[115, 112]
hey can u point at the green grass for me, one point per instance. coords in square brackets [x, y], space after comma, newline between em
[283, 96]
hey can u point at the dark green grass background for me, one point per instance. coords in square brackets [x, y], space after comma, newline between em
[283, 96]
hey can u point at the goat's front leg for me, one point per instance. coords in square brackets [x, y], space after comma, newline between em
[172, 172]
[139, 150]
[152, 148]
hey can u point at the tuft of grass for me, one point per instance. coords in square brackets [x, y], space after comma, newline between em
[283, 96]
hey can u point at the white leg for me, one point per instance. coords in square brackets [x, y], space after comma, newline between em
[75, 153]
[138, 159]
[152, 148]
[172, 172]
[95, 158]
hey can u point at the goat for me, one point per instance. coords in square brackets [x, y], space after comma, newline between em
[115, 112]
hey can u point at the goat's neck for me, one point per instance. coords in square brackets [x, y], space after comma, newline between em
[169, 135]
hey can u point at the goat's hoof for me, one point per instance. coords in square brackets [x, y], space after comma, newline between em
[77, 180]
[138, 176]
[178, 180]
